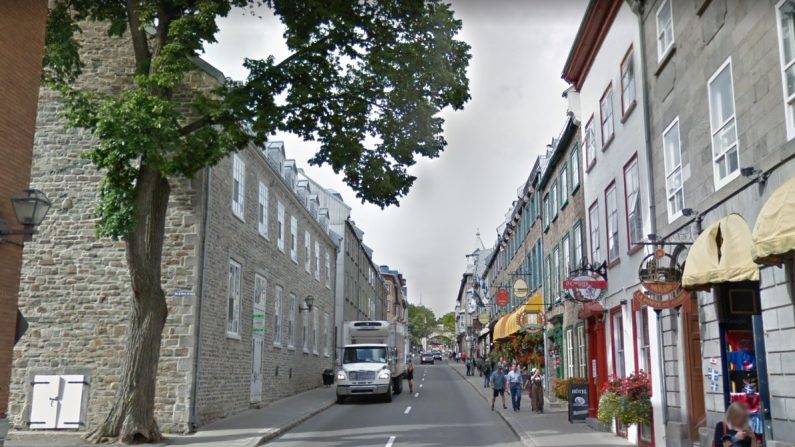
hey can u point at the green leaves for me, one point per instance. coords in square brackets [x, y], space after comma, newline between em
[366, 80]
[422, 323]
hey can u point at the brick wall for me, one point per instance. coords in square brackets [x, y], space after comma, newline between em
[21, 47]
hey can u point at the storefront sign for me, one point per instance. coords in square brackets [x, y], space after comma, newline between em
[483, 317]
[661, 278]
[503, 298]
[587, 283]
[578, 401]
[532, 322]
[520, 289]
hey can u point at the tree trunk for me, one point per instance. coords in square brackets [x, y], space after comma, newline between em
[131, 419]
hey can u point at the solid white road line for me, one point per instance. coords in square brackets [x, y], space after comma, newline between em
[417, 395]
[390, 442]
[408, 410]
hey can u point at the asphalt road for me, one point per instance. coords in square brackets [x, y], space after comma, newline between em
[445, 412]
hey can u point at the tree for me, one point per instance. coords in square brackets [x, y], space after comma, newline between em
[448, 323]
[382, 70]
[422, 323]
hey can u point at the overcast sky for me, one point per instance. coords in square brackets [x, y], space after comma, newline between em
[518, 51]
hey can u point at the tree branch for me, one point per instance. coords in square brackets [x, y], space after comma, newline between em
[140, 45]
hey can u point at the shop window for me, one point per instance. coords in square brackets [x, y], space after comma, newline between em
[786, 33]
[618, 344]
[570, 361]
[582, 365]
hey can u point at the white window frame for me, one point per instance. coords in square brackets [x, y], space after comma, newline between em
[789, 99]
[634, 215]
[611, 223]
[593, 233]
[291, 321]
[553, 193]
[628, 88]
[671, 171]
[607, 116]
[262, 211]
[619, 353]
[574, 168]
[328, 270]
[565, 261]
[317, 261]
[720, 183]
[278, 305]
[569, 353]
[589, 143]
[294, 239]
[326, 323]
[644, 339]
[564, 186]
[582, 368]
[305, 332]
[308, 251]
[577, 240]
[280, 226]
[239, 181]
[556, 273]
[663, 52]
[315, 325]
[233, 299]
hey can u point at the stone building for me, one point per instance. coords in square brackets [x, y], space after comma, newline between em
[365, 294]
[397, 307]
[240, 331]
[722, 126]
[21, 47]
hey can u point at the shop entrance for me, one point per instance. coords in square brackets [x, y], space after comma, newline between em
[597, 361]
[695, 375]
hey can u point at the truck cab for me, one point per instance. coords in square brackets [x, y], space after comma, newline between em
[370, 363]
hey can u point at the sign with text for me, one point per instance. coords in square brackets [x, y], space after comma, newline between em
[502, 298]
[578, 402]
[520, 289]
[587, 283]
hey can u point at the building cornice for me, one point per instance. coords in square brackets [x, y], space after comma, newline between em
[594, 27]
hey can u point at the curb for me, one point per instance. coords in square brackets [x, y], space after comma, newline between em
[273, 433]
[524, 437]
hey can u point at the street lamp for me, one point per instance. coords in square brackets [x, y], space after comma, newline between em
[30, 207]
[309, 302]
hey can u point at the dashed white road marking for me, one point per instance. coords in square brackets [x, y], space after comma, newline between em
[420, 385]
[423, 379]
[408, 410]
[417, 395]
[390, 442]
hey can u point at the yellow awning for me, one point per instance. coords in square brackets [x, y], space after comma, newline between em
[722, 253]
[512, 323]
[499, 329]
[774, 232]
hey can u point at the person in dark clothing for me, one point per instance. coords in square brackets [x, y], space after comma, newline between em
[735, 431]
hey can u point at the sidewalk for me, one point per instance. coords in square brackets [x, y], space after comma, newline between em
[247, 429]
[550, 429]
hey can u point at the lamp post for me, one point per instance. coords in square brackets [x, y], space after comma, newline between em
[30, 207]
[309, 302]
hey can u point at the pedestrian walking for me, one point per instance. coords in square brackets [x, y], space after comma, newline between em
[537, 391]
[410, 376]
[480, 366]
[474, 366]
[736, 430]
[498, 384]
[486, 373]
[515, 382]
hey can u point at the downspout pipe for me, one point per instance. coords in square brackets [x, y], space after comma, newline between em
[638, 7]
[194, 388]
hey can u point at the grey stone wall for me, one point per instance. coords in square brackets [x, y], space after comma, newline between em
[75, 287]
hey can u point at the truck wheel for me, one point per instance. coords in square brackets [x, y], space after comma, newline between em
[340, 400]
[388, 397]
[397, 386]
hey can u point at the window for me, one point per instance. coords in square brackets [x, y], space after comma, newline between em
[262, 211]
[574, 162]
[593, 222]
[546, 211]
[606, 113]
[618, 345]
[644, 353]
[280, 226]
[547, 276]
[554, 199]
[672, 151]
[576, 235]
[632, 202]
[325, 334]
[725, 153]
[233, 300]
[569, 353]
[317, 260]
[291, 322]
[565, 247]
[294, 239]
[315, 325]
[564, 185]
[582, 366]
[665, 29]
[627, 82]
[238, 185]
[278, 303]
[556, 273]
[305, 332]
[328, 270]
[611, 217]
[786, 34]
[308, 251]
[589, 143]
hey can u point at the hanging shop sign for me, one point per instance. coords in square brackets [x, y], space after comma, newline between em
[502, 298]
[532, 322]
[483, 317]
[520, 289]
[660, 277]
[587, 283]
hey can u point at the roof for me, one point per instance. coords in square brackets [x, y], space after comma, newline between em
[595, 24]
[561, 144]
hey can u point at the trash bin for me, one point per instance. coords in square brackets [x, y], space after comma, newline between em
[328, 377]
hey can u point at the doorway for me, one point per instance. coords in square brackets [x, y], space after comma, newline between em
[696, 412]
[257, 339]
[597, 359]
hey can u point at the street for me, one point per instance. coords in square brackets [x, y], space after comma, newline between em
[445, 412]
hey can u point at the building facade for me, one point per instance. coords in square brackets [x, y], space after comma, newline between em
[21, 48]
[365, 295]
[236, 280]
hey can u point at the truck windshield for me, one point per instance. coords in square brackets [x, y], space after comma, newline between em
[364, 354]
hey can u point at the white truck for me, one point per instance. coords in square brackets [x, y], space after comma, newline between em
[373, 360]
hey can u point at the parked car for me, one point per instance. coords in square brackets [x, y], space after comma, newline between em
[426, 357]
